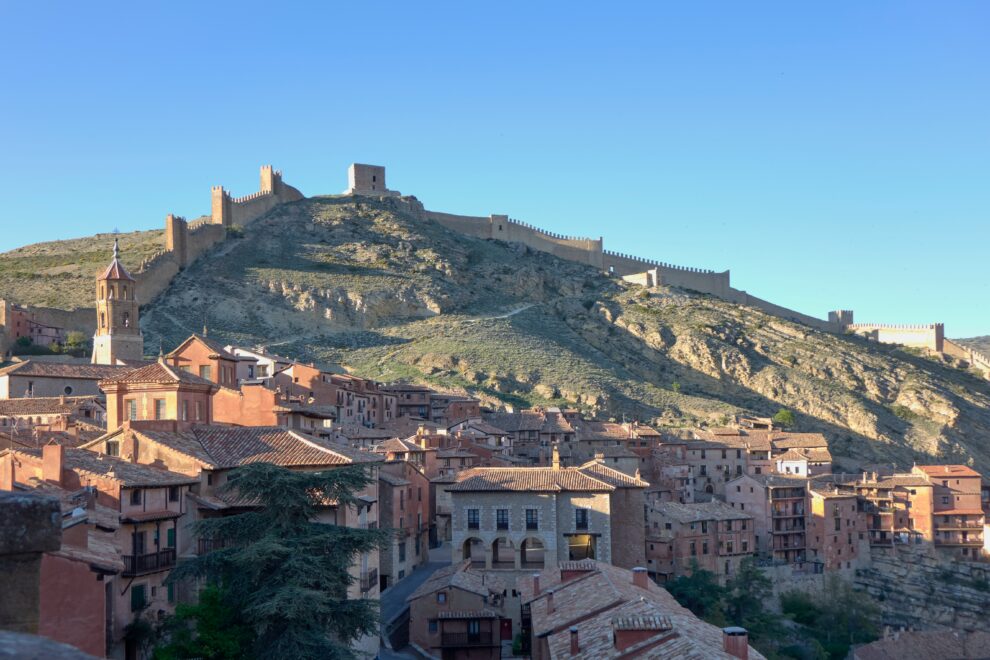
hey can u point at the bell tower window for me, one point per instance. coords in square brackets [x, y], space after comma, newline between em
[127, 320]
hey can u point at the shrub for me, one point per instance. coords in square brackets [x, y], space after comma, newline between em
[784, 417]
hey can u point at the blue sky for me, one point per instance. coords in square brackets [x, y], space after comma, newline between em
[832, 155]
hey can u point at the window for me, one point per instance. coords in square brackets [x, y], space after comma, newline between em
[130, 409]
[532, 519]
[728, 547]
[113, 448]
[502, 519]
[173, 493]
[402, 551]
[138, 600]
[209, 479]
[419, 494]
[199, 411]
[704, 526]
[694, 549]
[127, 320]
[704, 470]
[136, 497]
[743, 524]
[441, 597]
[723, 454]
[580, 518]
[159, 408]
[738, 470]
[757, 470]
[838, 524]
[433, 626]
[171, 592]
[185, 411]
[745, 546]
[67, 389]
[945, 499]
[205, 372]
[170, 537]
[402, 500]
[666, 525]
[704, 547]
[474, 521]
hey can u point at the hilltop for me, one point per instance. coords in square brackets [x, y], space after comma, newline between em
[373, 288]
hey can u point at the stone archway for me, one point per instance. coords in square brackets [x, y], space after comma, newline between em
[474, 549]
[533, 553]
[503, 553]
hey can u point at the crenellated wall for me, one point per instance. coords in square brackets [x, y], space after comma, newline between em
[930, 336]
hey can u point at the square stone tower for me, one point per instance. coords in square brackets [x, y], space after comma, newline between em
[367, 180]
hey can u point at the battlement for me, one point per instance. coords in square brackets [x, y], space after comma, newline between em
[894, 326]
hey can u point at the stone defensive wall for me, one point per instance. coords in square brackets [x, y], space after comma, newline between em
[187, 241]
[930, 336]
[974, 358]
[744, 298]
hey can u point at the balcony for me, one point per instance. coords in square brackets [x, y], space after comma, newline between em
[148, 563]
[206, 545]
[369, 580]
[468, 639]
[959, 524]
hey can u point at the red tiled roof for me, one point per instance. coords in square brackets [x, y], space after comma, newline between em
[51, 405]
[64, 370]
[593, 477]
[159, 372]
[131, 475]
[116, 271]
[935, 471]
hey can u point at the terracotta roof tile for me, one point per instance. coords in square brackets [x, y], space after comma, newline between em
[64, 370]
[936, 471]
[159, 372]
[132, 475]
[53, 405]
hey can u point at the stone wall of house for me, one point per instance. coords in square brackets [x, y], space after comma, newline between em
[920, 590]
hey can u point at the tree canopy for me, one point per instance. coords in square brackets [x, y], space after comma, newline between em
[282, 572]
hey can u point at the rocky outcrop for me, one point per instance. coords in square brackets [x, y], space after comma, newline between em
[919, 590]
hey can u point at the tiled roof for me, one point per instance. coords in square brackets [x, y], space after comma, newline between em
[101, 516]
[591, 477]
[358, 432]
[52, 405]
[160, 372]
[132, 475]
[783, 440]
[212, 344]
[231, 446]
[392, 479]
[462, 577]
[455, 453]
[814, 455]
[485, 427]
[611, 476]
[697, 511]
[515, 422]
[397, 445]
[64, 370]
[216, 446]
[596, 602]
[955, 644]
[936, 471]
[591, 430]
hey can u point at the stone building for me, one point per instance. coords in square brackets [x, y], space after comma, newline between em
[836, 530]
[118, 337]
[460, 613]
[519, 518]
[404, 502]
[151, 507]
[710, 535]
[590, 610]
[778, 505]
[958, 517]
[36, 378]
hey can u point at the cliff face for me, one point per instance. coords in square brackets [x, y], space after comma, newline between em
[360, 283]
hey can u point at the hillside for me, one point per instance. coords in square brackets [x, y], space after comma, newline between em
[60, 273]
[362, 285]
[365, 286]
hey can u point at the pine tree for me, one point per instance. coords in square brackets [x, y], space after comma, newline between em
[285, 573]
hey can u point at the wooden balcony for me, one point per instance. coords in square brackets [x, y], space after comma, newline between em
[148, 563]
[450, 640]
[369, 580]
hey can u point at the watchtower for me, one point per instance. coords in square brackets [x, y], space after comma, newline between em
[367, 180]
[118, 330]
[841, 318]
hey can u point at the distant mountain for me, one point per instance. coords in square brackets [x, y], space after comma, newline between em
[981, 344]
[363, 284]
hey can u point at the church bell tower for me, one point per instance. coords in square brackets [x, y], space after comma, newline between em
[118, 334]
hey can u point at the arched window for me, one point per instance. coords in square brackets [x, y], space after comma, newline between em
[110, 293]
[68, 389]
[124, 295]
[127, 320]
[103, 320]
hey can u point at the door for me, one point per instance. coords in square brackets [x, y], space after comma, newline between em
[506, 629]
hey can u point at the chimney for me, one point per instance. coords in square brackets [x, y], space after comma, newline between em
[735, 642]
[550, 602]
[575, 646]
[52, 462]
[61, 399]
[640, 578]
[7, 472]
[555, 459]
[536, 584]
